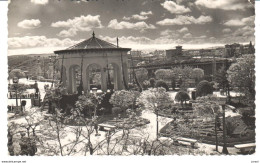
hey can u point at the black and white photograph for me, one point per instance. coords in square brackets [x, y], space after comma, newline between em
[130, 77]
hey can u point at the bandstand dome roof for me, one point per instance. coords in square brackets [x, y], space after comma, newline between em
[92, 43]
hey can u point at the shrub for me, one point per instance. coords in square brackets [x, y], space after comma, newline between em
[247, 116]
[116, 110]
[161, 83]
[230, 127]
[124, 99]
[146, 84]
[182, 96]
[152, 82]
[204, 88]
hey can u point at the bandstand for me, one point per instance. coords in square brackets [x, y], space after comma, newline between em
[78, 61]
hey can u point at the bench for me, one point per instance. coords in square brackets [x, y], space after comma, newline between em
[245, 148]
[188, 140]
[106, 127]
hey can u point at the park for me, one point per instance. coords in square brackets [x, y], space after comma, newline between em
[95, 104]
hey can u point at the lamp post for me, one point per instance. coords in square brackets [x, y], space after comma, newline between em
[222, 101]
[157, 123]
[15, 82]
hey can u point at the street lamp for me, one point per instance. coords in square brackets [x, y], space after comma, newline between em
[15, 82]
[157, 123]
[222, 102]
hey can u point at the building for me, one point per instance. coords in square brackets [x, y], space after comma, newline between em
[173, 53]
[90, 57]
[236, 50]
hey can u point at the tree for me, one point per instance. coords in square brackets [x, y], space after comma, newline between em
[97, 79]
[152, 82]
[204, 88]
[155, 99]
[16, 73]
[208, 106]
[141, 74]
[161, 83]
[182, 96]
[221, 78]
[242, 75]
[187, 72]
[124, 99]
[163, 74]
[197, 74]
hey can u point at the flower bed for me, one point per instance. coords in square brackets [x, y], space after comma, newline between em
[204, 131]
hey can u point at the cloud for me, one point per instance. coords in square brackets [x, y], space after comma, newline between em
[182, 20]
[40, 2]
[142, 16]
[146, 13]
[241, 22]
[246, 31]
[82, 23]
[114, 24]
[68, 33]
[139, 17]
[183, 30]
[38, 41]
[29, 24]
[187, 35]
[174, 8]
[169, 34]
[224, 4]
[226, 30]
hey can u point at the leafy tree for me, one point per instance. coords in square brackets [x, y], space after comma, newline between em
[97, 79]
[141, 74]
[208, 106]
[187, 72]
[124, 99]
[221, 78]
[182, 96]
[155, 99]
[176, 72]
[145, 84]
[16, 73]
[163, 84]
[163, 74]
[152, 82]
[197, 74]
[242, 75]
[204, 88]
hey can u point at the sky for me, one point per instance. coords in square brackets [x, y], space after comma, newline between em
[42, 26]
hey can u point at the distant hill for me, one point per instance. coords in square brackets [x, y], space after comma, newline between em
[29, 62]
[34, 55]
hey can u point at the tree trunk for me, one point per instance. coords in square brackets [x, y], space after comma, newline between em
[216, 133]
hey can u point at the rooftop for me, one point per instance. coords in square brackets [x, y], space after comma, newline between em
[93, 43]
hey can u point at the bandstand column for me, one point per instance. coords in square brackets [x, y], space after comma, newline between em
[120, 80]
[103, 80]
[68, 80]
[126, 73]
[87, 80]
[73, 80]
[84, 79]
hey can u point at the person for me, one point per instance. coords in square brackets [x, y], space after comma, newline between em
[96, 128]
[36, 89]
